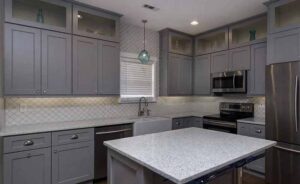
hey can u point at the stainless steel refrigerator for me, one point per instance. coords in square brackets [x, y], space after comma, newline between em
[283, 123]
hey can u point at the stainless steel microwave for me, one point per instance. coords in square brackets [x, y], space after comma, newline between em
[229, 82]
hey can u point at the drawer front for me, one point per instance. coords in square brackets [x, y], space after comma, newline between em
[244, 129]
[258, 131]
[26, 142]
[72, 136]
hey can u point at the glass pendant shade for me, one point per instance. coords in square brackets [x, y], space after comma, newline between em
[144, 57]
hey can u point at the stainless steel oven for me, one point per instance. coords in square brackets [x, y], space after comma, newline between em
[229, 82]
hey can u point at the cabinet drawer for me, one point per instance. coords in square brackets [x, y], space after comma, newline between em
[26, 142]
[72, 136]
[258, 131]
[244, 129]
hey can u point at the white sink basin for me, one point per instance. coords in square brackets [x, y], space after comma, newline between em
[148, 125]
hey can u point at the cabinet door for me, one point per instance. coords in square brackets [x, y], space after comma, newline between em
[284, 46]
[73, 163]
[219, 62]
[256, 75]
[85, 63]
[28, 167]
[56, 63]
[239, 59]
[185, 76]
[173, 74]
[108, 68]
[180, 44]
[22, 60]
[201, 75]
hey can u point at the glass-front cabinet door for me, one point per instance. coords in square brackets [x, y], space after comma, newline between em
[48, 14]
[180, 44]
[284, 15]
[95, 24]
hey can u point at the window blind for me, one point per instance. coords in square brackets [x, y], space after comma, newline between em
[137, 80]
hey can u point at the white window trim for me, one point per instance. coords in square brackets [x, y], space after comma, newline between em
[135, 99]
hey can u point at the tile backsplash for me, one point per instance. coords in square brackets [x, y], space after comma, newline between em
[39, 110]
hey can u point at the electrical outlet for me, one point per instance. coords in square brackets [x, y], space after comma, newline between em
[23, 108]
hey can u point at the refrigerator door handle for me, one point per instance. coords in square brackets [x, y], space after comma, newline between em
[296, 103]
[287, 149]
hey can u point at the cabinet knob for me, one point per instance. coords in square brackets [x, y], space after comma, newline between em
[258, 131]
[74, 137]
[44, 91]
[28, 143]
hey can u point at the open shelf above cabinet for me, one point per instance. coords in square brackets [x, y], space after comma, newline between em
[212, 42]
[249, 32]
[53, 15]
[180, 44]
[285, 15]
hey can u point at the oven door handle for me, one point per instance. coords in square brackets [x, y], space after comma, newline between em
[220, 123]
[234, 81]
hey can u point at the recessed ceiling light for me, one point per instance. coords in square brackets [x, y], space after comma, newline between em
[79, 16]
[194, 23]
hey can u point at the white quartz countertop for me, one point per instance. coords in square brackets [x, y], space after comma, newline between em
[255, 120]
[68, 125]
[187, 154]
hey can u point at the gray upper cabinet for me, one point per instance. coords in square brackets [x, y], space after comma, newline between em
[28, 167]
[85, 66]
[22, 60]
[179, 75]
[214, 41]
[284, 46]
[239, 59]
[73, 163]
[108, 68]
[95, 24]
[48, 14]
[248, 32]
[56, 63]
[201, 75]
[283, 15]
[256, 76]
[219, 62]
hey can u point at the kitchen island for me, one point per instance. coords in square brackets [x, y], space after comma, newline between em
[181, 156]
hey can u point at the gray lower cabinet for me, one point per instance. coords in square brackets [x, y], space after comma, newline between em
[179, 75]
[219, 62]
[22, 63]
[257, 131]
[73, 163]
[85, 64]
[256, 76]
[201, 75]
[108, 68]
[28, 167]
[284, 46]
[187, 122]
[56, 63]
[239, 59]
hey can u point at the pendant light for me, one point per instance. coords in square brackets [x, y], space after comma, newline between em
[144, 55]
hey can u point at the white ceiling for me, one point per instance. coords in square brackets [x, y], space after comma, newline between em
[178, 14]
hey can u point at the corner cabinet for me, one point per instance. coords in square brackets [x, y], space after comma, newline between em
[201, 75]
[37, 62]
[95, 24]
[47, 14]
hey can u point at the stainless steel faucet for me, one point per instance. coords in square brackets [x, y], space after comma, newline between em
[145, 109]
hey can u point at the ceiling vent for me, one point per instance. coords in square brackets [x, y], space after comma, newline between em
[149, 7]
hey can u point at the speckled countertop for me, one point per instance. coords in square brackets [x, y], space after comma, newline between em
[187, 154]
[255, 120]
[68, 125]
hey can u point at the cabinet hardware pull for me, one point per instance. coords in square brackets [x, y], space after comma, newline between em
[74, 137]
[28, 143]
[296, 103]
[258, 131]
[112, 132]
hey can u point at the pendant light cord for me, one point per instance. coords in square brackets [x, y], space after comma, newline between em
[144, 21]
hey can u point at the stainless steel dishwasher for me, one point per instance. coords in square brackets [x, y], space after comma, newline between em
[104, 134]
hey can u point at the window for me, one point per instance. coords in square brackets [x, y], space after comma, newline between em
[137, 80]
